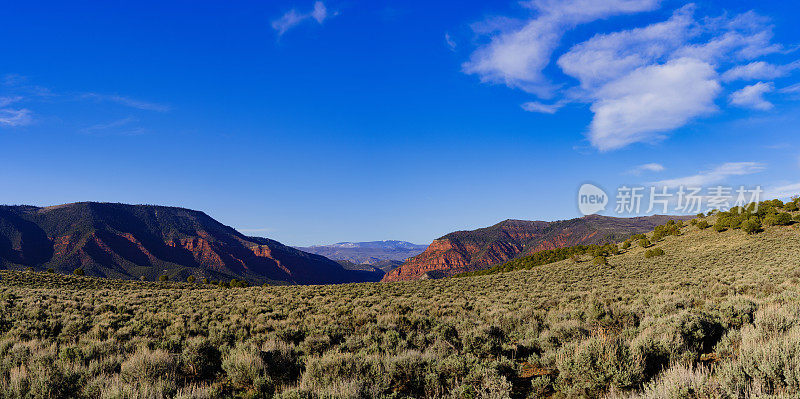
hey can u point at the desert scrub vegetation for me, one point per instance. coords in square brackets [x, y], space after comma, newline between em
[716, 316]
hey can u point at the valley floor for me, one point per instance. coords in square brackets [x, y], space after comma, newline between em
[717, 316]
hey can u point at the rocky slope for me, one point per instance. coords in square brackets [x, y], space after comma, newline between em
[464, 251]
[130, 241]
[371, 252]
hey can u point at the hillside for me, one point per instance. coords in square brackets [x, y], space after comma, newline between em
[716, 316]
[134, 241]
[370, 253]
[464, 251]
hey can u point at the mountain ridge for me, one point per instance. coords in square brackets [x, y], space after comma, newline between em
[470, 250]
[367, 252]
[131, 241]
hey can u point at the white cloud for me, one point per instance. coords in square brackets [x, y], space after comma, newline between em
[759, 70]
[782, 192]
[535, 106]
[517, 56]
[713, 176]
[127, 101]
[15, 117]
[648, 167]
[753, 96]
[292, 18]
[320, 12]
[606, 57]
[641, 83]
[650, 101]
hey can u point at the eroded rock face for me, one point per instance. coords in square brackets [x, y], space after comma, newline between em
[128, 241]
[465, 251]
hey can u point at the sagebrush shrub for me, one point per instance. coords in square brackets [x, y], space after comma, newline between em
[245, 367]
[201, 359]
[149, 366]
[597, 365]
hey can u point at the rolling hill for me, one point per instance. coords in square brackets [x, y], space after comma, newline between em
[135, 241]
[464, 251]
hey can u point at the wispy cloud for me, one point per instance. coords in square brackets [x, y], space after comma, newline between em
[119, 127]
[6, 101]
[642, 83]
[293, 18]
[648, 167]
[15, 117]
[20, 100]
[753, 96]
[782, 192]
[127, 101]
[451, 44]
[713, 176]
[759, 70]
[536, 106]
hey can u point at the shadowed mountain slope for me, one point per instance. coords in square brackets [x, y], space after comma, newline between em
[130, 241]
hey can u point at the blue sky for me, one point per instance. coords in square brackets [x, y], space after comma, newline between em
[318, 122]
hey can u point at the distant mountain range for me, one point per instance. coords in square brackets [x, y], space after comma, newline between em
[465, 251]
[134, 241]
[369, 253]
[131, 241]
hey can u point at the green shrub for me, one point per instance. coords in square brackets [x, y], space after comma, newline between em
[699, 331]
[149, 366]
[682, 382]
[163, 278]
[626, 245]
[650, 253]
[644, 243]
[751, 226]
[190, 279]
[780, 219]
[766, 365]
[202, 360]
[406, 374]
[653, 353]
[363, 375]
[600, 261]
[596, 366]
[283, 362]
[245, 368]
[702, 225]
[486, 342]
[78, 272]
[737, 312]
[791, 207]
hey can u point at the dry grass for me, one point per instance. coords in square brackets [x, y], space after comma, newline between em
[588, 330]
